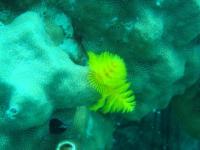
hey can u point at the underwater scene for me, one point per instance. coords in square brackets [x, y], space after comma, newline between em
[99, 74]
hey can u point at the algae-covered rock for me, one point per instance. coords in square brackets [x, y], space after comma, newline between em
[157, 40]
[43, 61]
[187, 110]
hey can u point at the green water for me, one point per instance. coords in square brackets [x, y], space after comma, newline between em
[99, 75]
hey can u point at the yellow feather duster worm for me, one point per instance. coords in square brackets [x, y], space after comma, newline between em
[107, 75]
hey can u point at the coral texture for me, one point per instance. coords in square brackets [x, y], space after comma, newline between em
[37, 78]
[43, 67]
[158, 39]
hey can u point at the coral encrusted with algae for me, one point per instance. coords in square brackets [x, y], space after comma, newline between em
[107, 75]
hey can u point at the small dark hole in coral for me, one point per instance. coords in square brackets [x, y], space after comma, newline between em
[196, 40]
[66, 147]
[13, 110]
[56, 126]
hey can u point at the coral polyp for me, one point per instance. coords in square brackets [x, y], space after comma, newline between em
[107, 75]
